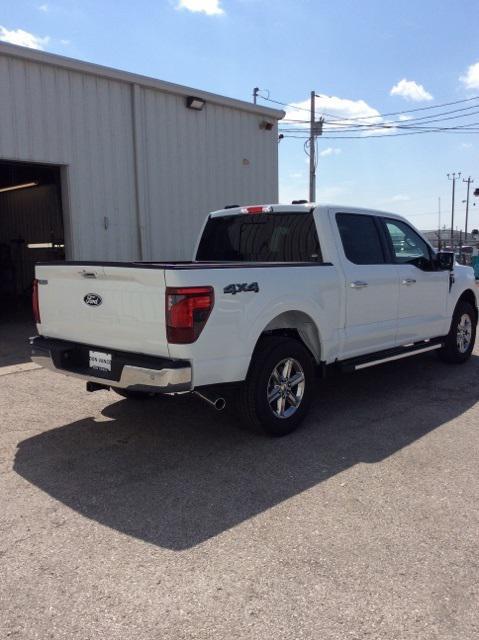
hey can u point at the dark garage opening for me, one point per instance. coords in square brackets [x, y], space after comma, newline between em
[31, 230]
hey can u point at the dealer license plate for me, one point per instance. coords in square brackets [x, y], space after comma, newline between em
[100, 360]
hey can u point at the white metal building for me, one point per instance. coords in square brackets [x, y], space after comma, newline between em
[119, 166]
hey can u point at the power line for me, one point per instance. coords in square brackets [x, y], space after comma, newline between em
[472, 127]
[466, 128]
[432, 115]
[400, 124]
[407, 127]
[417, 123]
[379, 115]
[423, 120]
[452, 130]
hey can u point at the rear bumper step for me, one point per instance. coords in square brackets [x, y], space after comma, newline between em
[132, 371]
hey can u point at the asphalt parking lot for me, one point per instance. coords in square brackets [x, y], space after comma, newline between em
[162, 519]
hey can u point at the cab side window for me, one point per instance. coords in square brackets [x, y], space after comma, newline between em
[360, 238]
[407, 246]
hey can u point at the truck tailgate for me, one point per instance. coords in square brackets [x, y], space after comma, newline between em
[120, 307]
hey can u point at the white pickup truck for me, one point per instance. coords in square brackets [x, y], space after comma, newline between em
[274, 295]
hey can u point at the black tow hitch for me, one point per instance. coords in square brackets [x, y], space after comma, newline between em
[96, 386]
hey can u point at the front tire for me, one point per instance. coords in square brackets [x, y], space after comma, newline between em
[459, 342]
[277, 392]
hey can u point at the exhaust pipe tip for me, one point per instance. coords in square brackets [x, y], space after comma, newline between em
[220, 404]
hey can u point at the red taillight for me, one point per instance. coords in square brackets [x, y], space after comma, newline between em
[35, 303]
[187, 310]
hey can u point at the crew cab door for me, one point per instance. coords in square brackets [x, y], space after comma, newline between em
[423, 289]
[371, 285]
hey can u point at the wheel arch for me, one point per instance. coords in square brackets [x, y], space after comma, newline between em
[469, 296]
[296, 324]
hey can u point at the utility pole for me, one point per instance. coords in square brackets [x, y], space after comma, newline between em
[439, 223]
[453, 177]
[255, 95]
[316, 129]
[469, 181]
[312, 150]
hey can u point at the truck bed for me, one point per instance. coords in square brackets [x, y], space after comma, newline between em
[129, 314]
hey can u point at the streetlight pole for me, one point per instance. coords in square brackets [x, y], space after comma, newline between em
[453, 177]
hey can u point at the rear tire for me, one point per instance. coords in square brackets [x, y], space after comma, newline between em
[278, 390]
[459, 342]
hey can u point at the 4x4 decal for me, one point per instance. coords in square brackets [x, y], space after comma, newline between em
[240, 288]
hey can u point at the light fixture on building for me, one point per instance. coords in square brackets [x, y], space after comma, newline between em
[25, 185]
[195, 103]
[267, 126]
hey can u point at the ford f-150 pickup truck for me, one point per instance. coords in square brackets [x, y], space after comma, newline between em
[274, 295]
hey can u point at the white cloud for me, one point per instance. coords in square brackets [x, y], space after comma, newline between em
[466, 145]
[65, 42]
[403, 117]
[44, 7]
[339, 108]
[23, 38]
[340, 113]
[296, 175]
[210, 7]
[471, 77]
[410, 90]
[400, 197]
[330, 151]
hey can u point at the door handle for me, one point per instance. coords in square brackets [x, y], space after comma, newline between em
[408, 281]
[358, 284]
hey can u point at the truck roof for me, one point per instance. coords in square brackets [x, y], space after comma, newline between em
[299, 208]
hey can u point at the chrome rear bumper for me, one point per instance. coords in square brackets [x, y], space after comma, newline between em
[130, 371]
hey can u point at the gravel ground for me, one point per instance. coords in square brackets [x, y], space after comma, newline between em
[162, 519]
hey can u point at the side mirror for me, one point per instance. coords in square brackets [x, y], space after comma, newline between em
[445, 260]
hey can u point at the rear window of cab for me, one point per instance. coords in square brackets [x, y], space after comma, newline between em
[261, 237]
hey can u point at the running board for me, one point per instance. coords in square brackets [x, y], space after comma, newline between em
[380, 357]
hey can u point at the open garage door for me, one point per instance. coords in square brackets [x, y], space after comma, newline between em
[31, 229]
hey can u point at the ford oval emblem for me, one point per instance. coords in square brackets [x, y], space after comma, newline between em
[92, 300]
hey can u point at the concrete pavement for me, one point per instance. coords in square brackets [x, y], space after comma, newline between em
[163, 519]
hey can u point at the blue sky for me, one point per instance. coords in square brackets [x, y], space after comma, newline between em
[353, 53]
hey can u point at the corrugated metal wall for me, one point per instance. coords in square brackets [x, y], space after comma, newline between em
[186, 164]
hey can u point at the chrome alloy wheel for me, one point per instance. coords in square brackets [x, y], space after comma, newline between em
[286, 388]
[464, 333]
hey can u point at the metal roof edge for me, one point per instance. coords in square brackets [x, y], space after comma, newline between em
[72, 64]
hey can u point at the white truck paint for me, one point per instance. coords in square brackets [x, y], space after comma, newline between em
[339, 309]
